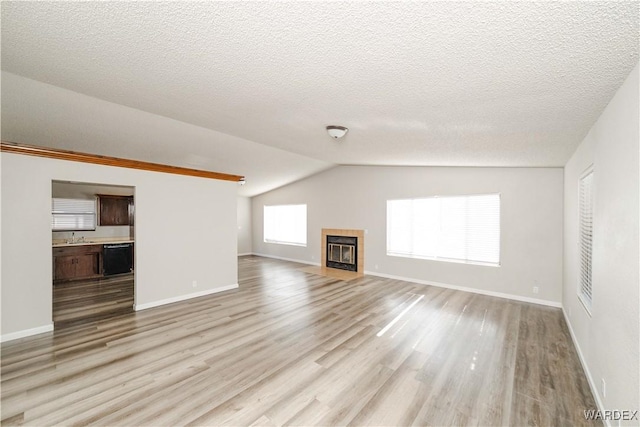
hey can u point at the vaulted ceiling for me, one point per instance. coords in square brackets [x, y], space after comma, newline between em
[417, 83]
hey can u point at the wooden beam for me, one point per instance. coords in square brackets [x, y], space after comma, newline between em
[73, 156]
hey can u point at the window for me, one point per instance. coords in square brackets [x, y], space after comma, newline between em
[453, 228]
[73, 214]
[286, 224]
[586, 237]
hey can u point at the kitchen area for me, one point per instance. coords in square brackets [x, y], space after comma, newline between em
[93, 232]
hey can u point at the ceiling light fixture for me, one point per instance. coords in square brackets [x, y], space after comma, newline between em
[242, 181]
[337, 132]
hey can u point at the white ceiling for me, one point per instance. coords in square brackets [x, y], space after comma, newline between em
[431, 83]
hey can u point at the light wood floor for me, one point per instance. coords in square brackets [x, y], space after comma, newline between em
[293, 348]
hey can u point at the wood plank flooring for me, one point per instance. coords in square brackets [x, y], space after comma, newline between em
[82, 301]
[294, 348]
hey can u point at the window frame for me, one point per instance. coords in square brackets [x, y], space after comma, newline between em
[449, 259]
[285, 242]
[585, 300]
[93, 213]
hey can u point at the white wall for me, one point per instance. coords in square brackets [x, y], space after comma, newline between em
[609, 338]
[244, 226]
[355, 197]
[185, 231]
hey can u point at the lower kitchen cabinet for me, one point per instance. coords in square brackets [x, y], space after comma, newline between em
[77, 262]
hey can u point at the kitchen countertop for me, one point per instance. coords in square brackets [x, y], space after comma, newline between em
[59, 243]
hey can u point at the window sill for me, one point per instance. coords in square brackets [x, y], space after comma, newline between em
[455, 261]
[304, 245]
[585, 304]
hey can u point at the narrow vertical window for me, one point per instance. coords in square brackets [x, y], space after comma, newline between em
[586, 239]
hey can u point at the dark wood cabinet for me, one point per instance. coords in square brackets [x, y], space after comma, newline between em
[88, 265]
[64, 267]
[77, 262]
[114, 210]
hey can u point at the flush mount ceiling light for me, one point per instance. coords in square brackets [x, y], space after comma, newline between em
[337, 132]
[242, 181]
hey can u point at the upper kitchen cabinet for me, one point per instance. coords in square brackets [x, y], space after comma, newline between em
[114, 210]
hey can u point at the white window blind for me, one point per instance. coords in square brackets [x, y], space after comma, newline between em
[586, 237]
[452, 228]
[286, 224]
[73, 214]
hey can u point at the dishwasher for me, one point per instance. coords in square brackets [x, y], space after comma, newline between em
[117, 258]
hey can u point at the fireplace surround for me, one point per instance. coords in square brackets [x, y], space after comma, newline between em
[343, 249]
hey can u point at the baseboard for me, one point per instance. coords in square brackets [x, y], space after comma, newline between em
[440, 285]
[286, 259]
[466, 289]
[26, 333]
[585, 367]
[245, 254]
[139, 307]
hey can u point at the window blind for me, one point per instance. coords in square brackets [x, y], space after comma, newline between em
[286, 224]
[452, 228]
[73, 214]
[586, 238]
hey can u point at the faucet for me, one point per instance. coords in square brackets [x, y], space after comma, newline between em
[73, 239]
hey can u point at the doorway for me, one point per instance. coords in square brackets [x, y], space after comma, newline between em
[89, 222]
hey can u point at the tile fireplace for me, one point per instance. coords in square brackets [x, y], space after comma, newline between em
[343, 249]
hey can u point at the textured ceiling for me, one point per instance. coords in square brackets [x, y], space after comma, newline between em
[432, 83]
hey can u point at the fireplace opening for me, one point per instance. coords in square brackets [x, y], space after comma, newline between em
[342, 252]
